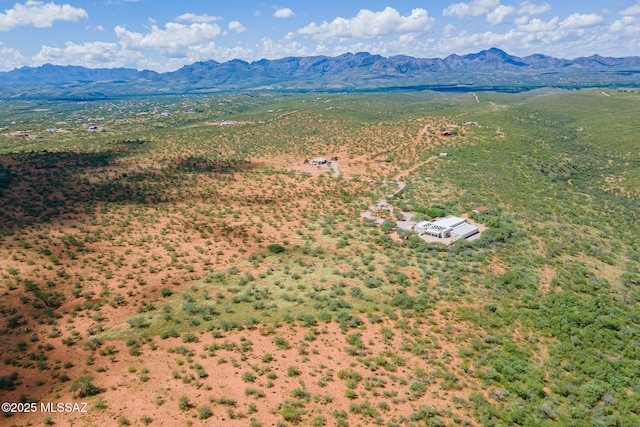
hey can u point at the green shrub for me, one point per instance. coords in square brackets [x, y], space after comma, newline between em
[281, 343]
[8, 382]
[204, 412]
[248, 377]
[275, 248]
[291, 414]
[293, 371]
[84, 386]
[190, 337]
[184, 403]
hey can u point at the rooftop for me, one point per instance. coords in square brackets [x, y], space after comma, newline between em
[463, 229]
[442, 224]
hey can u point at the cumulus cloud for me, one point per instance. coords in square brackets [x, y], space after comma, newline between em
[172, 38]
[237, 27]
[10, 58]
[272, 49]
[474, 8]
[538, 25]
[523, 20]
[205, 51]
[90, 54]
[631, 10]
[577, 20]
[449, 30]
[39, 15]
[499, 14]
[528, 8]
[367, 24]
[192, 17]
[495, 12]
[285, 12]
[627, 25]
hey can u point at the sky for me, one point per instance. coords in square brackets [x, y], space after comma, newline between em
[166, 35]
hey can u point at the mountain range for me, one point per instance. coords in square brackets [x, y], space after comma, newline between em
[491, 69]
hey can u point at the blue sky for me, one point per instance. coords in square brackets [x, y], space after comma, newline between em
[165, 35]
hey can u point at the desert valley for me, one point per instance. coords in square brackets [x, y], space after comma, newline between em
[179, 260]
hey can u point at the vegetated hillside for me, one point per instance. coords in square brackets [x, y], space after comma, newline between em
[167, 269]
[491, 69]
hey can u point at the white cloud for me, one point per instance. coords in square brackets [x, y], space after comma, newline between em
[495, 12]
[91, 54]
[449, 30]
[173, 38]
[528, 8]
[10, 58]
[210, 50]
[577, 20]
[538, 25]
[628, 25]
[474, 8]
[192, 17]
[631, 10]
[285, 12]
[498, 15]
[39, 15]
[273, 49]
[237, 27]
[523, 20]
[368, 24]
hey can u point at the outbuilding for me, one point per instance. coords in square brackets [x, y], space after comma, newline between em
[464, 230]
[318, 161]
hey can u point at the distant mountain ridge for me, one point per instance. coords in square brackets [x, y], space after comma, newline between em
[491, 69]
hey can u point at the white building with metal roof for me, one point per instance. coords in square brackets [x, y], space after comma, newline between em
[447, 227]
[464, 230]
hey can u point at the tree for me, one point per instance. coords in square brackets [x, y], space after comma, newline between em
[387, 225]
[84, 386]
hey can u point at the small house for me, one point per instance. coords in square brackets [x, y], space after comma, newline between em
[318, 161]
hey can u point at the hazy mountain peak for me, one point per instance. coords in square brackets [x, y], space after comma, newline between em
[487, 69]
